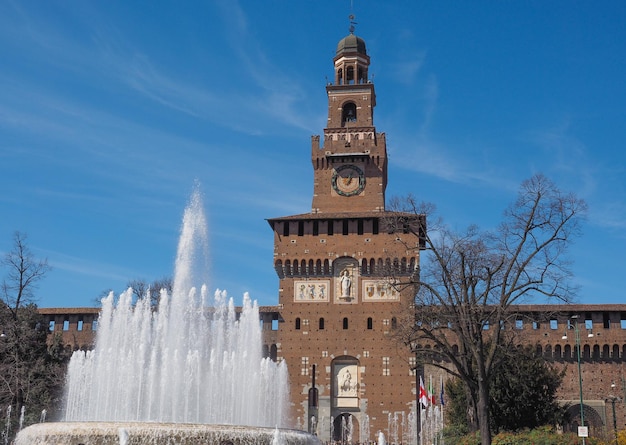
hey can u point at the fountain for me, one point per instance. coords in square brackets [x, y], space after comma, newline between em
[189, 372]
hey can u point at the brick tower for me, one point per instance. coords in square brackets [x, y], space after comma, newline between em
[338, 307]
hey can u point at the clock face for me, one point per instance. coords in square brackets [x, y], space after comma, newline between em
[348, 180]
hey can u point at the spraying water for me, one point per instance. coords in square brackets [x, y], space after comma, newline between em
[189, 361]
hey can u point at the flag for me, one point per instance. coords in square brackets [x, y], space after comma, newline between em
[431, 395]
[441, 393]
[423, 396]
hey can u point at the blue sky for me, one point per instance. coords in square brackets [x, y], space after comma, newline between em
[109, 111]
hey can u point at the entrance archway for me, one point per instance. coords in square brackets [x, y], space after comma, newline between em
[345, 429]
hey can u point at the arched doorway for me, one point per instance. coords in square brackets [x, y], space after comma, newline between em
[345, 429]
[593, 420]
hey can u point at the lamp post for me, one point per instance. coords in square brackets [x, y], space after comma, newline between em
[613, 399]
[580, 377]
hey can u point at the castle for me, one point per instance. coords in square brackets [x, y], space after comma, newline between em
[336, 312]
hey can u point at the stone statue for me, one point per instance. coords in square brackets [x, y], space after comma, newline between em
[346, 283]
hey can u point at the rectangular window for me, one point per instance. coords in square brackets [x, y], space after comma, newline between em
[486, 325]
[606, 320]
[94, 324]
[285, 228]
[519, 324]
[360, 227]
[386, 366]
[51, 325]
[622, 320]
[345, 226]
[375, 226]
[80, 325]
[66, 325]
[300, 228]
[554, 324]
[588, 322]
[274, 325]
[316, 228]
[535, 325]
[330, 227]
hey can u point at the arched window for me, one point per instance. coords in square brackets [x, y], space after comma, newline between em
[596, 352]
[567, 354]
[288, 268]
[345, 322]
[321, 323]
[349, 113]
[558, 354]
[370, 323]
[298, 324]
[350, 75]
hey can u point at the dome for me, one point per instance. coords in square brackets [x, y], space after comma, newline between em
[351, 44]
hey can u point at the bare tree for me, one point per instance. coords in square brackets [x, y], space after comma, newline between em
[24, 271]
[30, 375]
[469, 283]
[141, 288]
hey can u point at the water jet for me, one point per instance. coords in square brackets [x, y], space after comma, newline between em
[189, 371]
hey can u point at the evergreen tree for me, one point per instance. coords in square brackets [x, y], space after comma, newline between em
[522, 394]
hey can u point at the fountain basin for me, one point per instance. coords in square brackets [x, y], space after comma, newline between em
[135, 433]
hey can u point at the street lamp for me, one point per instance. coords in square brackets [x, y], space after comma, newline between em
[612, 399]
[580, 377]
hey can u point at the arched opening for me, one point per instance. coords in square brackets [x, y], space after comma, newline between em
[348, 113]
[370, 323]
[346, 429]
[350, 75]
[345, 323]
[321, 325]
[615, 352]
[567, 354]
[297, 323]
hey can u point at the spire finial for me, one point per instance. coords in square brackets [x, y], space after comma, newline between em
[351, 17]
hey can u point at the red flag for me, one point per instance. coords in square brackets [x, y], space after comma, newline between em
[423, 396]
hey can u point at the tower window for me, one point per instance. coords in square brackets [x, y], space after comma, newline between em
[360, 227]
[300, 228]
[370, 323]
[348, 113]
[316, 228]
[285, 229]
[345, 322]
[298, 324]
[350, 75]
[321, 323]
[345, 226]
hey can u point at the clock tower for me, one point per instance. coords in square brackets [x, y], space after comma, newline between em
[350, 166]
[337, 268]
